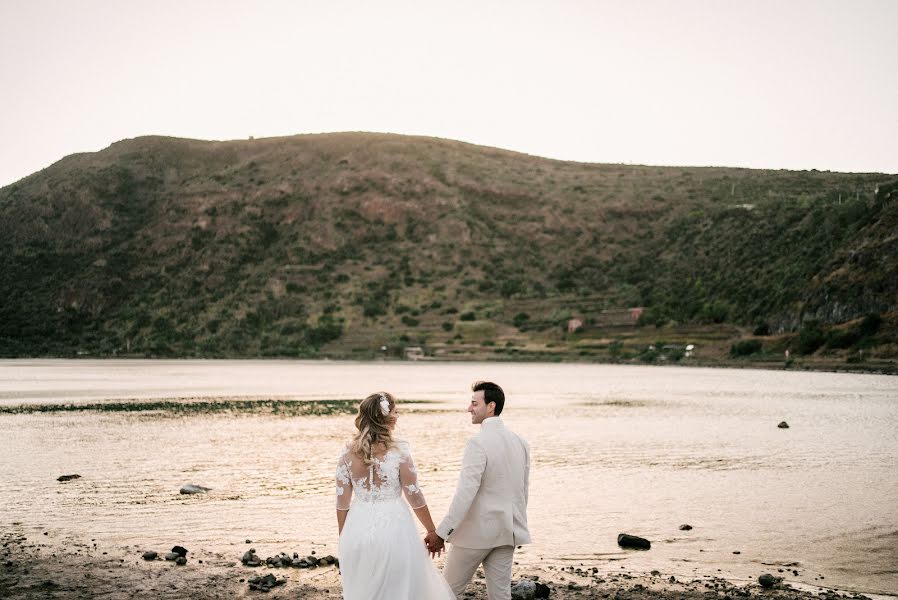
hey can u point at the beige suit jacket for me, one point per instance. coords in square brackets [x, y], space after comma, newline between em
[490, 504]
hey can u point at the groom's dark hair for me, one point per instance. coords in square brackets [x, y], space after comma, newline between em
[491, 393]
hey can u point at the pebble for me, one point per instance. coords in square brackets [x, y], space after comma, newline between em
[150, 555]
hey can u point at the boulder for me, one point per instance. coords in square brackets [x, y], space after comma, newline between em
[523, 589]
[194, 489]
[150, 555]
[783, 425]
[685, 527]
[625, 540]
[181, 561]
[542, 591]
[68, 477]
[767, 580]
[172, 556]
[180, 550]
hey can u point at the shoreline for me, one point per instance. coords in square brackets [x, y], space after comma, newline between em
[798, 365]
[37, 566]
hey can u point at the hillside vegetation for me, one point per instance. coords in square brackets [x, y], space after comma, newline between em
[341, 244]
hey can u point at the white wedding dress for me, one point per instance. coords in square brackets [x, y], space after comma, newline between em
[382, 555]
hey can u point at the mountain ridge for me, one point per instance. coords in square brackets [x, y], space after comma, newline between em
[283, 246]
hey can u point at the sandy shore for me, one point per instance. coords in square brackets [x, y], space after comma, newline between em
[36, 566]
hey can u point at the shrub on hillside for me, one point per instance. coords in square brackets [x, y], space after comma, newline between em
[468, 316]
[520, 319]
[649, 355]
[652, 316]
[717, 311]
[870, 324]
[745, 348]
[511, 287]
[842, 338]
[615, 349]
[810, 338]
[327, 330]
[761, 329]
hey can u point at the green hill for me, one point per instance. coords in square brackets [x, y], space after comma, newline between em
[338, 244]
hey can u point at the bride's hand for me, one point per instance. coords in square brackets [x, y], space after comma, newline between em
[434, 543]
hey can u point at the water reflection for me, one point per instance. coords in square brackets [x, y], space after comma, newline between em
[615, 449]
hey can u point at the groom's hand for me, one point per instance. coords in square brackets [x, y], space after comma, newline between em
[434, 543]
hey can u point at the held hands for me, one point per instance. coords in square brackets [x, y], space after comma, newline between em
[434, 543]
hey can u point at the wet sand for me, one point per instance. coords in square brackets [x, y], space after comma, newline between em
[39, 566]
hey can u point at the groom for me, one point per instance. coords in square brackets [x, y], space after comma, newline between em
[488, 515]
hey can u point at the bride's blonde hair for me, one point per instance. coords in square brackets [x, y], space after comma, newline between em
[373, 426]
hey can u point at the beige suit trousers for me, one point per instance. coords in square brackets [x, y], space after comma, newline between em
[462, 562]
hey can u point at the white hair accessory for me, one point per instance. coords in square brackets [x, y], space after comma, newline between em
[384, 405]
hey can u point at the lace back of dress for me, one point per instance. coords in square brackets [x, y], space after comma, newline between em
[379, 480]
[390, 475]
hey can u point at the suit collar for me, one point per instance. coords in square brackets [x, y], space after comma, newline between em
[492, 422]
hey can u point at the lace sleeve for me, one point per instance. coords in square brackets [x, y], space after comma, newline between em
[344, 484]
[408, 479]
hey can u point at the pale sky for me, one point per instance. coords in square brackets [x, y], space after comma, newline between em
[792, 84]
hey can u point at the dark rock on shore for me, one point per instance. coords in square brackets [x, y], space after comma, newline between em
[250, 559]
[150, 555]
[767, 580]
[542, 591]
[685, 527]
[194, 489]
[68, 477]
[626, 540]
[783, 425]
[523, 590]
[265, 583]
[181, 561]
[180, 550]
[172, 556]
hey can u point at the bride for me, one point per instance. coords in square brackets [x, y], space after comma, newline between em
[381, 555]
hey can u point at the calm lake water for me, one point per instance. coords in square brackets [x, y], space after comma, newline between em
[615, 449]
